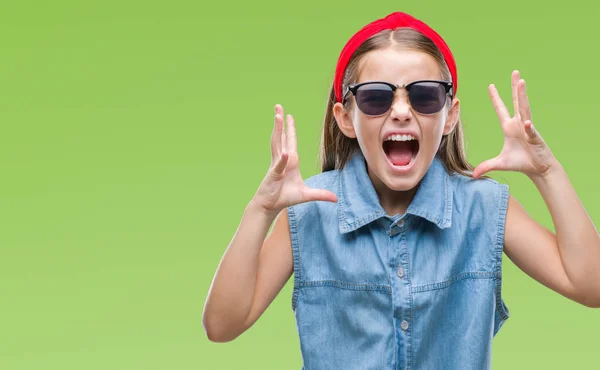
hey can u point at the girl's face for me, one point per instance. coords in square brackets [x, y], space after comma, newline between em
[398, 164]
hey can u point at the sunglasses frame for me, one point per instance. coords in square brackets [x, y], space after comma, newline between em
[354, 88]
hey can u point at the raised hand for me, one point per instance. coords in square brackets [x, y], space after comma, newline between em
[524, 149]
[283, 185]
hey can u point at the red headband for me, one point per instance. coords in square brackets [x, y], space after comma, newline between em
[391, 22]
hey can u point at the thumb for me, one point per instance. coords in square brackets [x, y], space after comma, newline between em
[319, 194]
[487, 166]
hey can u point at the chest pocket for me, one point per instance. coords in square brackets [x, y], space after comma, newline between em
[441, 257]
[356, 258]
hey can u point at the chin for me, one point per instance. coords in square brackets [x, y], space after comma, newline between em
[402, 184]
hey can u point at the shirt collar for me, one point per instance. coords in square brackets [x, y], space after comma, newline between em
[359, 204]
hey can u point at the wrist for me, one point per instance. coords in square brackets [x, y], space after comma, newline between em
[553, 170]
[256, 209]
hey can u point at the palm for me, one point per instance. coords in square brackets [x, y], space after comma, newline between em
[524, 150]
[520, 152]
[288, 188]
[283, 186]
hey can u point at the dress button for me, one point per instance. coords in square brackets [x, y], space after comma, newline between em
[401, 223]
[404, 325]
[400, 272]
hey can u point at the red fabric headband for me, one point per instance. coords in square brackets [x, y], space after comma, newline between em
[391, 22]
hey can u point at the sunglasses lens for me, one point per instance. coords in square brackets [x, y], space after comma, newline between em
[427, 97]
[374, 99]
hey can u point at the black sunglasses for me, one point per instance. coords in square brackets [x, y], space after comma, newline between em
[375, 98]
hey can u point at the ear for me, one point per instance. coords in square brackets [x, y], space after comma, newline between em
[452, 118]
[344, 120]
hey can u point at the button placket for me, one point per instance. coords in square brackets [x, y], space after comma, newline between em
[400, 272]
[397, 228]
[401, 286]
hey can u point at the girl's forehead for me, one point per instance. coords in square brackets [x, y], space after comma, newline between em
[398, 66]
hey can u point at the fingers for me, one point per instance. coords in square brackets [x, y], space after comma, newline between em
[524, 109]
[284, 146]
[281, 163]
[291, 134]
[531, 132]
[276, 134]
[279, 145]
[499, 106]
[514, 81]
[283, 140]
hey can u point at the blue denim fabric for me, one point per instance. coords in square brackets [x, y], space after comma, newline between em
[418, 291]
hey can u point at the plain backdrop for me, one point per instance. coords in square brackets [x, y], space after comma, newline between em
[133, 134]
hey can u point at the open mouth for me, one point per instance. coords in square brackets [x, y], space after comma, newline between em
[401, 149]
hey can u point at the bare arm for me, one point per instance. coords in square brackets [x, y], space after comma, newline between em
[568, 262]
[250, 275]
[254, 269]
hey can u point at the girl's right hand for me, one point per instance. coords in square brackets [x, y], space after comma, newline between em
[283, 186]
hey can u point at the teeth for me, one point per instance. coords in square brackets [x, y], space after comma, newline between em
[400, 138]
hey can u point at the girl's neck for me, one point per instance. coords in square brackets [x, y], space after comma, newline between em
[393, 202]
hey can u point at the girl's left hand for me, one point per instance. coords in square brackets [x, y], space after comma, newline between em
[524, 149]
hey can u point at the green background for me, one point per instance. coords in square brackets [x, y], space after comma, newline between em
[133, 134]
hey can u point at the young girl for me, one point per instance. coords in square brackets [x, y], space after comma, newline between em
[396, 247]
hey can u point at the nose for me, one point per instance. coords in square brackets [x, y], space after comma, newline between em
[401, 110]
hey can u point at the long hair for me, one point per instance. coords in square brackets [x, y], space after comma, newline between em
[336, 149]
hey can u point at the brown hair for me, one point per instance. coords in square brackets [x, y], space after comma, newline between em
[337, 149]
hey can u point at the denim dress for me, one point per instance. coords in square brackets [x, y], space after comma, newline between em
[417, 291]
